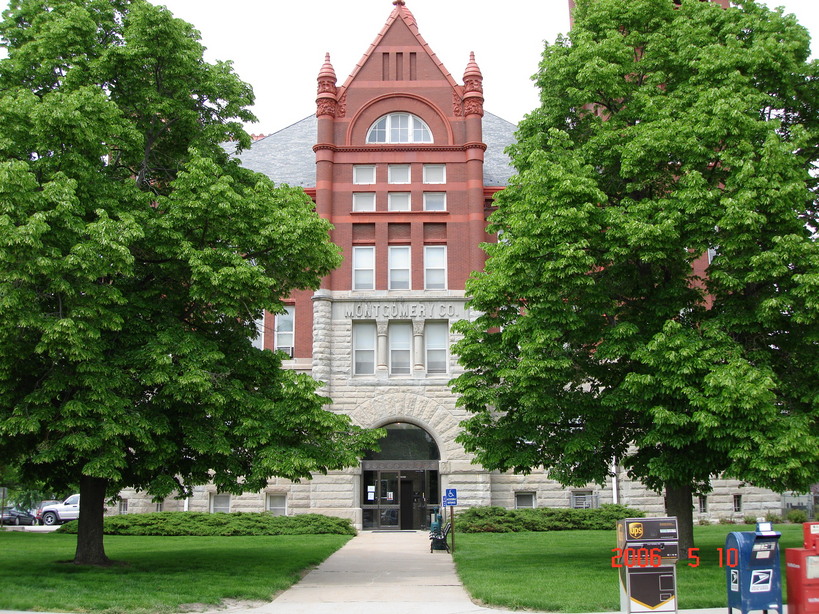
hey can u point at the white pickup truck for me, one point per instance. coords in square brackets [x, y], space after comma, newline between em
[58, 513]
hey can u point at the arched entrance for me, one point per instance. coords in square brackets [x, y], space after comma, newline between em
[400, 481]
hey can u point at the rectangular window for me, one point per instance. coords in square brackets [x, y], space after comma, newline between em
[524, 500]
[363, 268]
[160, 506]
[583, 499]
[434, 173]
[398, 173]
[399, 128]
[123, 506]
[737, 503]
[436, 338]
[399, 278]
[284, 331]
[434, 201]
[435, 267]
[364, 174]
[398, 201]
[219, 502]
[364, 338]
[363, 201]
[276, 504]
[400, 348]
[703, 503]
[258, 340]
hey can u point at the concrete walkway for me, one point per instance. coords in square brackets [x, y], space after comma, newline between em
[390, 572]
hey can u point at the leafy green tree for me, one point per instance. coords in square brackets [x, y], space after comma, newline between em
[135, 259]
[606, 337]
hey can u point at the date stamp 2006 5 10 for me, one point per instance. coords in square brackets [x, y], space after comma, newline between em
[644, 557]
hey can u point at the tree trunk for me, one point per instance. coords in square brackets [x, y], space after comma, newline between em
[679, 503]
[90, 549]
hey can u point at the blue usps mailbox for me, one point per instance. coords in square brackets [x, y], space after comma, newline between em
[755, 582]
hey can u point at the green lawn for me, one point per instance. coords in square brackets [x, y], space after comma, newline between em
[157, 574]
[571, 571]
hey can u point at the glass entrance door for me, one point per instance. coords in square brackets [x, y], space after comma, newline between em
[398, 499]
[400, 481]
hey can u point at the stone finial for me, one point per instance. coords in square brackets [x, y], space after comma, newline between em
[327, 76]
[473, 78]
[326, 102]
[473, 88]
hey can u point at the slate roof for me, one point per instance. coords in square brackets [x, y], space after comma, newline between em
[287, 156]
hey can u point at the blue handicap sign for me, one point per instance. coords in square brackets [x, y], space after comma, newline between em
[450, 497]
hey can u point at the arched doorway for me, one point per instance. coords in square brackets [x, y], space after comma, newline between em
[400, 482]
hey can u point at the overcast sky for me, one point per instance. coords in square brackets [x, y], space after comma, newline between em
[278, 46]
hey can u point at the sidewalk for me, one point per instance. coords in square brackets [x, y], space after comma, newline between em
[390, 572]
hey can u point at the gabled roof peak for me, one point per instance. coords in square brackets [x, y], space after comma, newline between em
[402, 13]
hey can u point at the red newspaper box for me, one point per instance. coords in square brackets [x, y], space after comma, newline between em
[803, 573]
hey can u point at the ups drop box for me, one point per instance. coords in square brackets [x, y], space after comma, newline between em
[648, 576]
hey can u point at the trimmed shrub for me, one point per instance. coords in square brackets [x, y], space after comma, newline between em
[797, 516]
[219, 524]
[502, 520]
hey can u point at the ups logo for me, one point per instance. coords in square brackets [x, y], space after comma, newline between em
[635, 530]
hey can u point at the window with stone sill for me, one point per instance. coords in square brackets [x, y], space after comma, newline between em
[583, 499]
[436, 339]
[364, 174]
[524, 500]
[434, 201]
[364, 342]
[399, 201]
[219, 502]
[364, 268]
[285, 327]
[398, 173]
[400, 347]
[276, 504]
[434, 173]
[363, 201]
[435, 267]
[400, 342]
[399, 267]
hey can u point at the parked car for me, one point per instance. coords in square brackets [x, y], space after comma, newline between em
[11, 515]
[58, 513]
[38, 512]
